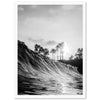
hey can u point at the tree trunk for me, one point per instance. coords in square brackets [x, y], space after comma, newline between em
[57, 55]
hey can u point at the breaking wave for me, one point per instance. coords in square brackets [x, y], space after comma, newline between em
[39, 75]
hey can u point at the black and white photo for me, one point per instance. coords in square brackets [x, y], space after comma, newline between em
[50, 50]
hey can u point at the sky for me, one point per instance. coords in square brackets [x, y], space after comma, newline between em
[49, 25]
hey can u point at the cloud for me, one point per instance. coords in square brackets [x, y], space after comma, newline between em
[20, 8]
[43, 42]
[51, 42]
[38, 41]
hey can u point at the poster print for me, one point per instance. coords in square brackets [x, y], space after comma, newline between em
[51, 50]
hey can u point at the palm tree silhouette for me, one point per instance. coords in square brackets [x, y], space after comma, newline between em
[61, 45]
[53, 51]
[79, 53]
[46, 52]
[62, 52]
[37, 48]
[57, 50]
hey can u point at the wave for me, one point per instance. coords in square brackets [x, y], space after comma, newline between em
[40, 75]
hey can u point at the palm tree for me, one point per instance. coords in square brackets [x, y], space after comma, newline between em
[61, 45]
[62, 52]
[46, 52]
[41, 50]
[57, 50]
[79, 53]
[60, 49]
[53, 51]
[36, 48]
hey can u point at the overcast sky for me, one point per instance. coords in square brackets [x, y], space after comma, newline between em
[48, 25]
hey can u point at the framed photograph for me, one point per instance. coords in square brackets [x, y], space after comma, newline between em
[51, 49]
